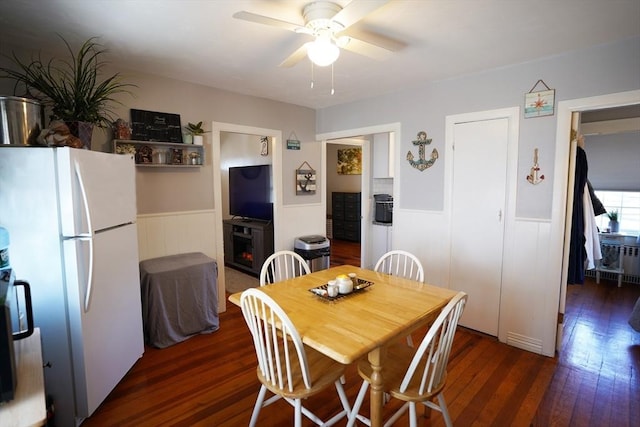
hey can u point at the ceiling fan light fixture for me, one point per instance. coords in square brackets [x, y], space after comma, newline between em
[343, 41]
[323, 51]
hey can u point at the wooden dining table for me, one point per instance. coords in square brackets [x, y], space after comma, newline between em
[359, 324]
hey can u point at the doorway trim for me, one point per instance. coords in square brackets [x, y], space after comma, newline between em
[564, 179]
[276, 137]
[365, 228]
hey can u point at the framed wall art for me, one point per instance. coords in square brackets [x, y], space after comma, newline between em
[539, 104]
[350, 161]
[305, 180]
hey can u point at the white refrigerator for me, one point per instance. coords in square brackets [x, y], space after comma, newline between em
[71, 218]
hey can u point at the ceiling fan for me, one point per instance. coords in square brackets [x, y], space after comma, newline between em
[330, 26]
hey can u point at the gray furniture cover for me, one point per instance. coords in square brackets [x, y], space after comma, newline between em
[634, 320]
[179, 297]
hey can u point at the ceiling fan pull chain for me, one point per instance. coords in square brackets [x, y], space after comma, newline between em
[332, 89]
[311, 74]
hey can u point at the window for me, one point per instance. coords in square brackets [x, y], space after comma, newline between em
[627, 203]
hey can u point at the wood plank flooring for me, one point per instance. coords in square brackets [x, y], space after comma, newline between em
[344, 252]
[597, 380]
[210, 380]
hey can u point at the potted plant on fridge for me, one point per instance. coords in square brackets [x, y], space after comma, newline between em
[72, 88]
[196, 132]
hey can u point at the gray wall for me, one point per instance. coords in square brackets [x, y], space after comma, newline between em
[614, 161]
[594, 71]
[173, 190]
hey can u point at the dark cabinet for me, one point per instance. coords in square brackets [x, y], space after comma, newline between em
[345, 213]
[247, 244]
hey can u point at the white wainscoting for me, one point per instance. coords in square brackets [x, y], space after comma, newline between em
[173, 233]
[528, 303]
[176, 233]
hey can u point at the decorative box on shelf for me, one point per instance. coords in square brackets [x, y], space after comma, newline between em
[161, 154]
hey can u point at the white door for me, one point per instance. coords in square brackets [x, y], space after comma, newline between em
[477, 219]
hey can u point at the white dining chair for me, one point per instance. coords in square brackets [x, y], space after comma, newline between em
[417, 375]
[286, 367]
[403, 264]
[282, 265]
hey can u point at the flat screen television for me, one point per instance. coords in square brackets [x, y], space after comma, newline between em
[250, 192]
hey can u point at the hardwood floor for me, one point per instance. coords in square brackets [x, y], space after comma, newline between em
[210, 380]
[597, 380]
[345, 252]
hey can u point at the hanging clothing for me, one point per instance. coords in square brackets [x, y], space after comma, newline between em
[592, 239]
[598, 207]
[577, 251]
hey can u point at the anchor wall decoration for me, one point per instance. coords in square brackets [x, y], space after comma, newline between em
[534, 177]
[422, 163]
[305, 180]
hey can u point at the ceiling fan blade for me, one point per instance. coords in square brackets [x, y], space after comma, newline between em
[356, 10]
[261, 19]
[381, 41]
[295, 57]
[367, 49]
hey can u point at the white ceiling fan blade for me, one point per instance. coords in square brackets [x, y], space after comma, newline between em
[356, 10]
[295, 57]
[364, 48]
[261, 19]
[381, 41]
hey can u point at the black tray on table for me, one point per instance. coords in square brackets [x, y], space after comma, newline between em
[321, 291]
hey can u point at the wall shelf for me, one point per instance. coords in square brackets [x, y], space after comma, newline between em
[158, 154]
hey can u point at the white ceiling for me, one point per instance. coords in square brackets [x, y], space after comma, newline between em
[199, 41]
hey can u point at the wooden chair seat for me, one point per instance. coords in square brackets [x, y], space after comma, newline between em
[287, 368]
[394, 373]
[416, 375]
[323, 370]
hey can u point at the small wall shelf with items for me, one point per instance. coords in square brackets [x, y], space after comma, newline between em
[161, 154]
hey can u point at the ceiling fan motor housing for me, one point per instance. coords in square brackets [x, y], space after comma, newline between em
[318, 17]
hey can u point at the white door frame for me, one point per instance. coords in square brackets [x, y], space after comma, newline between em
[276, 149]
[365, 227]
[564, 179]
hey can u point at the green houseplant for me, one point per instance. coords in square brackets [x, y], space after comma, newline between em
[614, 225]
[196, 132]
[72, 88]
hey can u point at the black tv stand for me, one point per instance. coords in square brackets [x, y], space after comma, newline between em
[247, 219]
[247, 243]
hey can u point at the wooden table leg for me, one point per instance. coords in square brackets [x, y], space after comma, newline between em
[377, 393]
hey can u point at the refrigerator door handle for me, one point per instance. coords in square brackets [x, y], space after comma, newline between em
[86, 236]
[89, 283]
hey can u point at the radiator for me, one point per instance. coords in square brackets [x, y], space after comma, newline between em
[630, 258]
